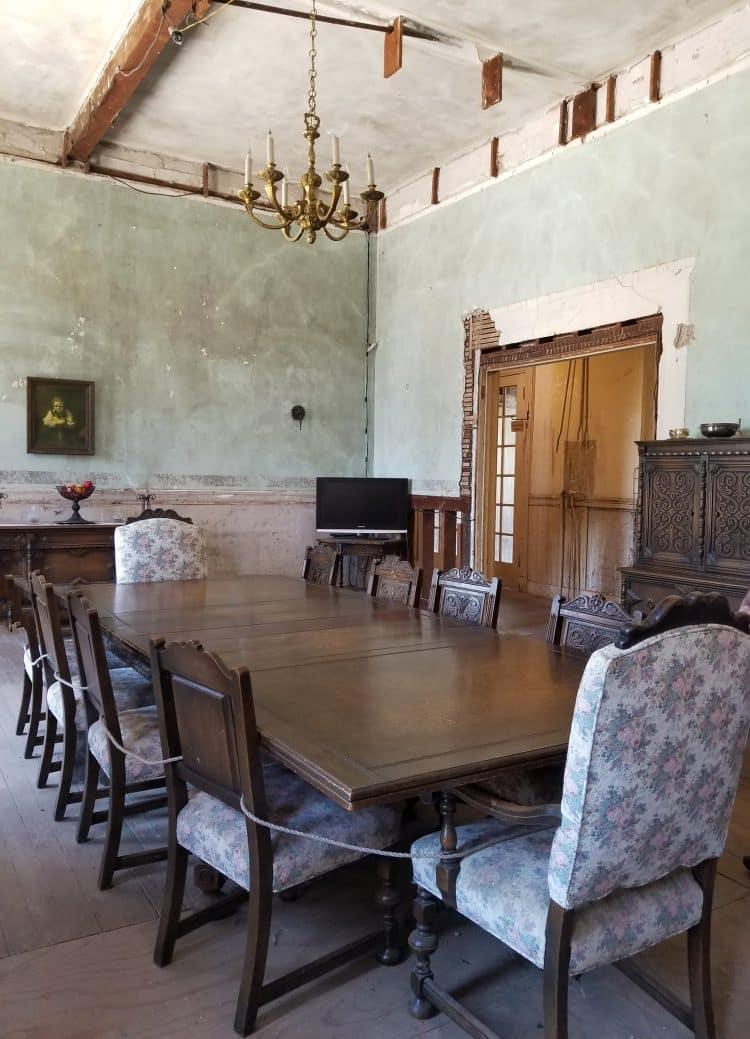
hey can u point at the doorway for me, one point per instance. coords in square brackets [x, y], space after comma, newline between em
[557, 461]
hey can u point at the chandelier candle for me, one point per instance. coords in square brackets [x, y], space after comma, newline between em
[314, 211]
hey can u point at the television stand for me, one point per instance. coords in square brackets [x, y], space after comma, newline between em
[357, 551]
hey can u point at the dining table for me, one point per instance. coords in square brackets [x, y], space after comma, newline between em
[370, 701]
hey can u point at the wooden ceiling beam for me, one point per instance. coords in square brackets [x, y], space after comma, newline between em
[132, 58]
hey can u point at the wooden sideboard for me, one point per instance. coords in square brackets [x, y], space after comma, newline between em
[693, 521]
[84, 552]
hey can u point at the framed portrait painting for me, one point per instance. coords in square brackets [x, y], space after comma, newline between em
[59, 417]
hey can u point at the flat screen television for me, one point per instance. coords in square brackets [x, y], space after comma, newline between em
[349, 505]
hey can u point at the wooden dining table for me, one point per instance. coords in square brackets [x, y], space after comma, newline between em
[367, 700]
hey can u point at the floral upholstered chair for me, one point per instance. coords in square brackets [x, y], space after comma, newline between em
[159, 550]
[129, 719]
[656, 746]
[210, 740]
[66, 715]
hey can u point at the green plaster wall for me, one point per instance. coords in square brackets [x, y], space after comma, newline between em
[670, 185]
[199, 330]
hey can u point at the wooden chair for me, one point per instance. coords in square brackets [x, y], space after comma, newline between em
[65, 704]
[321, 565]
[136, 729]
[585, 623]
[658, 737]
[465, 595]
[31, 709]
[395, 580]
[159, 548]
[208, 729]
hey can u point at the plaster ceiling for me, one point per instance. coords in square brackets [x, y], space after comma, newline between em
[50, 53]
[244, 72]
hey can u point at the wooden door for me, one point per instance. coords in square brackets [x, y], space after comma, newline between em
[507, 415]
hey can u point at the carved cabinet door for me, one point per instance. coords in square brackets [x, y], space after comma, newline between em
[672, 511]
[728, 515]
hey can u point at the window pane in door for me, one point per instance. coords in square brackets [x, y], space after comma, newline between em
[504, 520]
[506, 552]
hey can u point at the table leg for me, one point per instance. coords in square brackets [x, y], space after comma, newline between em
[387, 899]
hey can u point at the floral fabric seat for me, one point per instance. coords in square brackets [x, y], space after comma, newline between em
[217, 833]
[131, 690]
[504, 889]
[159, 549]
[139, 728]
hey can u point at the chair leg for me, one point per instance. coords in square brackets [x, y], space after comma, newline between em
[36, 715]
[423, 941]
[115, 817]
[23, 711]
[174, 891]
[256, 952]
[556, 971]
[70, 743]
[50, 740]
[699, 958]
[88, 802]
[387, 899]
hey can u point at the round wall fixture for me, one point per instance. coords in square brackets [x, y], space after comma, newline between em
[298, 414]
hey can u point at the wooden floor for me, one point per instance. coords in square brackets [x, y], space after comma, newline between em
[76, 963]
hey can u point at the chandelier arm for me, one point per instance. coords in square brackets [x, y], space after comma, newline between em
[336, 237]
[327, 214]
[261, 223]
[290, 237]
[271, 195]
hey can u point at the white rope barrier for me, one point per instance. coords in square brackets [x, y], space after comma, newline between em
[132, 753]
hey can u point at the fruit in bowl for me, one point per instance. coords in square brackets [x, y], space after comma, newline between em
[76, 492]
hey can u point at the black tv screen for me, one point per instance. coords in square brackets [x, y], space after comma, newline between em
[349, 505]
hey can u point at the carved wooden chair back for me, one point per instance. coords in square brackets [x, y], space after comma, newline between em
[50, 631]
[465, 595]
[93, 668]
[158, 514]
[585, 623]
[396, 580]
[675, 611]
[207, 720]
[321, 564]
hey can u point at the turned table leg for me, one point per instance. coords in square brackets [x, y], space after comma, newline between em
[387, 899]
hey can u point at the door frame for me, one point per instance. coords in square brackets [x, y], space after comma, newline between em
[485, 465]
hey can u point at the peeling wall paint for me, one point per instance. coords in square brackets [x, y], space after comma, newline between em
[199, 330]
[670, 185]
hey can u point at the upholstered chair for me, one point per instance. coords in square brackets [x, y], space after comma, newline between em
[136, 729]
[209, 735]
[654, 759]
[159, 550]
[66, 718]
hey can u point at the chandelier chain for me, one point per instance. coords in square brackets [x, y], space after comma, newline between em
[311, 96]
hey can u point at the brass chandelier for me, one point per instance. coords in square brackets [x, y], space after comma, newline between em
[311, 212]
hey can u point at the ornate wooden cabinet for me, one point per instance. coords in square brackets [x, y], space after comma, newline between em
[62, 552]
[693, 522]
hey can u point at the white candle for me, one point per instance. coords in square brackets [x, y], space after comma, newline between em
[346, 192]
[269, 149]
[284, 193]
[370, 171]
[248, 169]
[335, 154]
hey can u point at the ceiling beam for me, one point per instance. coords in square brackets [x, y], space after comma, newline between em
[132, 57]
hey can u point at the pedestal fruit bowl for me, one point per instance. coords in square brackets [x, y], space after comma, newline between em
[76, 492]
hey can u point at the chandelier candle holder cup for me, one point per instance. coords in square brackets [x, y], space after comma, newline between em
[76, 492]
[311, 212]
